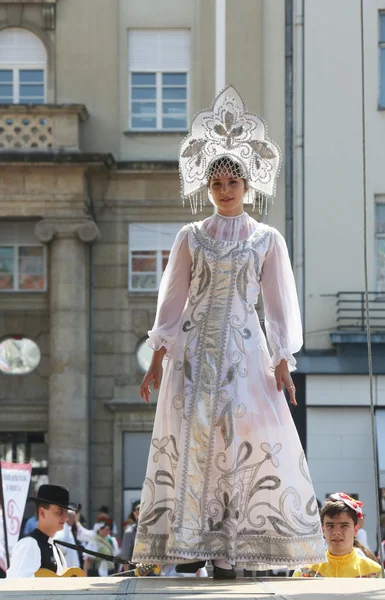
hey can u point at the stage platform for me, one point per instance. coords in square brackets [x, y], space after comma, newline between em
[168, 588]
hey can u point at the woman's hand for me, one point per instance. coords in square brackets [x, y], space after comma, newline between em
[282, 376]
[154, 374]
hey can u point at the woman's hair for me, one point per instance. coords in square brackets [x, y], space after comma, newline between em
[364, 550]
[333, 508]
[104, 518]
[226, 166]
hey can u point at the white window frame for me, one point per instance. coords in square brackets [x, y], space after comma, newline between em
[156, 237]
[16, 289]
[159, 100]
[381, 46]
[159, 271]
[16, 78]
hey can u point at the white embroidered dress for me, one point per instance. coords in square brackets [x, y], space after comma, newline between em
[226, 474]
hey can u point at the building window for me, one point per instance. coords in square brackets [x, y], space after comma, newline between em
[382, 60]
[22, 268]
[159, 69]
[25, 448]
[23, 262]
[149, 249]
[380, 246]
[23, 67]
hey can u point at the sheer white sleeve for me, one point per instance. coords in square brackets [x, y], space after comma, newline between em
[282, 315]
[173, 293]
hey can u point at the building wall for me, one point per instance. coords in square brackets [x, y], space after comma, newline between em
[89, 65]
[340, 457]
[333, 157]
[86, 66]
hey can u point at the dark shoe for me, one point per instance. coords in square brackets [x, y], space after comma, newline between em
[190, 567]
[219, 573]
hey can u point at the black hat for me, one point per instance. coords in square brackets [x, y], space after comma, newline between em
[54, 494]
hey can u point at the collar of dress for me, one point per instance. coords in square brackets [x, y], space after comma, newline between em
[226, 218]
[345, 558]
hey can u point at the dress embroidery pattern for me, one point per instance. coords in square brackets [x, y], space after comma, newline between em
[223, 480]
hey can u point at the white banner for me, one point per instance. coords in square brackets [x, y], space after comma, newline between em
[3, 558]
[16, 478]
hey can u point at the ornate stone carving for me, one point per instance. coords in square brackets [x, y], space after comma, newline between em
[25, 131]
[87, 231]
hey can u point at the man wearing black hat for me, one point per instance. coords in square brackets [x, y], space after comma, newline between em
[38, 550]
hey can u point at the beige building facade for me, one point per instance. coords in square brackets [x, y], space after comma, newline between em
[335, 361]
[95, 98]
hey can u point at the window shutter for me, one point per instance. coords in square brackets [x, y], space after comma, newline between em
[159, 50]
[14, 232]
[19, 46]
[152, 236]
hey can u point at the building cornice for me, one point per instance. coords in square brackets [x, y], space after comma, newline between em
[145, 166]
[29, 2]
[45, 109]
[58, 158]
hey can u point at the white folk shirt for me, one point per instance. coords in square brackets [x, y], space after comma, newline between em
[26, 559]
[71, 555]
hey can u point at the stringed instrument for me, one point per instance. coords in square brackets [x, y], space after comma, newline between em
[139, 571]
[70, 572]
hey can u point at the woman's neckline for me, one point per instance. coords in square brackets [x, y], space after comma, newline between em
[220, 216]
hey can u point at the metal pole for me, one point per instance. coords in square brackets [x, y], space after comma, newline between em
[2, 505]
[289, 124]
[298, 151]
[220, 45]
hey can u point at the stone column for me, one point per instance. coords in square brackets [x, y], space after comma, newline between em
[69, 353]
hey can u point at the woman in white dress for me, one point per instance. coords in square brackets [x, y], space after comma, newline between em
[227, 478]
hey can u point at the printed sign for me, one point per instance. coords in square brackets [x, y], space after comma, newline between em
[16, 479]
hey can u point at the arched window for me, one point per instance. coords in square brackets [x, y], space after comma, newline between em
[23, 66]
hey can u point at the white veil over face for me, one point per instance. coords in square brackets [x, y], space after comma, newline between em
[226, 132]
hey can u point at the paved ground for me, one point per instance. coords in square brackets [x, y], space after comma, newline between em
[154, 588]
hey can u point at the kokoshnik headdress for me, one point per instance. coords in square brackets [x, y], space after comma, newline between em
[225, 135]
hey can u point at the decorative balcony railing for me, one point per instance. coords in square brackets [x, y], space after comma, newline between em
[351, 311]
[41, 128]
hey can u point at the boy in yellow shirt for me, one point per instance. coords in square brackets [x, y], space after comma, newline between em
[339, 519]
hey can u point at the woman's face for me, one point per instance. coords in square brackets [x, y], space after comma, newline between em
[104, 531]
[227, 193]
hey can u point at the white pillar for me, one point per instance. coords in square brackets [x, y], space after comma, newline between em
[220, 45]
[69, 353]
